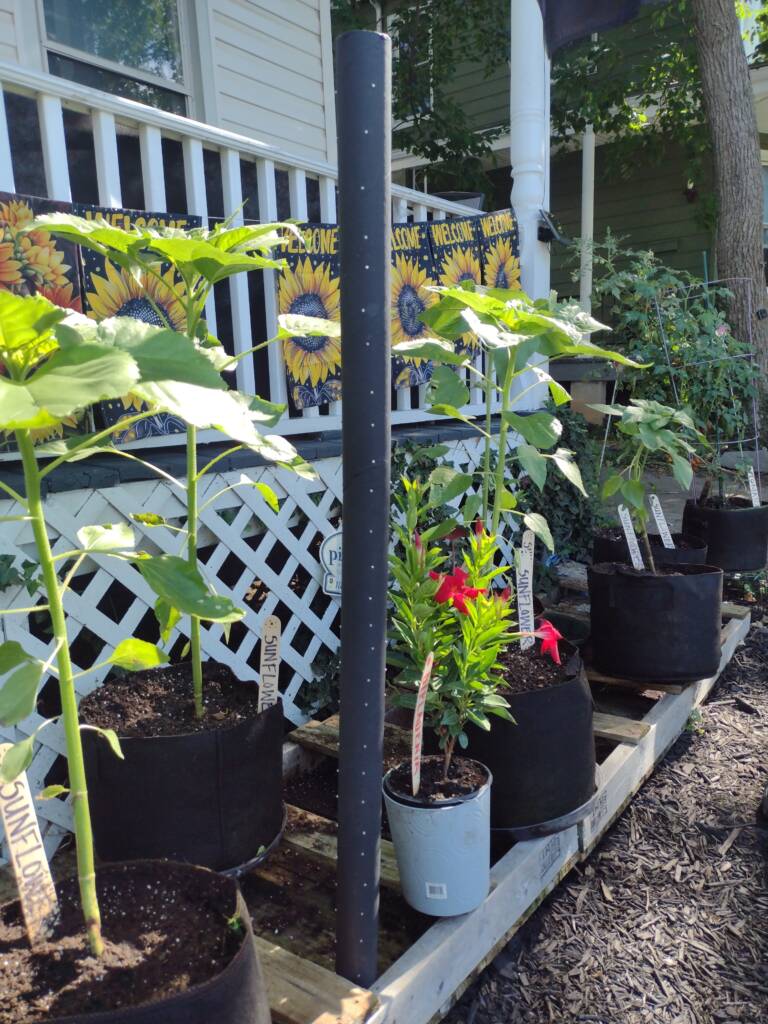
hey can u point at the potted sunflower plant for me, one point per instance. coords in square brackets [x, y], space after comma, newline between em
[143, 941]
[654, 619]
[224, 809]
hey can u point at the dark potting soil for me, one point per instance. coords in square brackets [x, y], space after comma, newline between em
[464, 777]
[159, 702]
[163, 933]
[615, 533]
[530, 670]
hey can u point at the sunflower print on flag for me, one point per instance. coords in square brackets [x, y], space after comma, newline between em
[33, 262]
[498, 239]
[109, 290]
[309, 286]
[411, 278]
[457, 259]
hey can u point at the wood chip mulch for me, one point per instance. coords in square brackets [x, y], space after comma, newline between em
[667, 922]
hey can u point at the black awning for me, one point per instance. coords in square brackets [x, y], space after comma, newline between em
[565, 21]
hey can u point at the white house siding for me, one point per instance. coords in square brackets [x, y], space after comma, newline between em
[273, 72]
[8, 31]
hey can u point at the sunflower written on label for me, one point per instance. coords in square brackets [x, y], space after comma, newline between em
[456, 255]
[412, 276]
[309, 286]
[499, 242]
[109, 290]
[33, 262]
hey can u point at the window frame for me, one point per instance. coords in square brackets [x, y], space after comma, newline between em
[184, 88]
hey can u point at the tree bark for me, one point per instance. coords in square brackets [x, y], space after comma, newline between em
[728, 102]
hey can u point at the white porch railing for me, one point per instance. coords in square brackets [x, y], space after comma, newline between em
[311, 194]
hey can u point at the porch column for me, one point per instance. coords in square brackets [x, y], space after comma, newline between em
[529, 139]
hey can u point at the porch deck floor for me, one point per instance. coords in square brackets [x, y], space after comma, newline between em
[666, 921]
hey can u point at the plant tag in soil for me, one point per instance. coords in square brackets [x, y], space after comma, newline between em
[37, 892]
[418, 723]
[661, 522]
[330, 559]
[753, 491]
[269, 662]
[524, 580]
[629, 533]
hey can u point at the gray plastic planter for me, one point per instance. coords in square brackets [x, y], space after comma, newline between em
[443, 849]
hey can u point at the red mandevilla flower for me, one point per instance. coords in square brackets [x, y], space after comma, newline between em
[549, 637]
[453, 589]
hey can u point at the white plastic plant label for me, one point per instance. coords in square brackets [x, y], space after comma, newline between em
[37, 893]
[269, 662]
[330, 559]
[418, 723]
[753, 491]
[661, 522]
[524, 580]
[629, 533]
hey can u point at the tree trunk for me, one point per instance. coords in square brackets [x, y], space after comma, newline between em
[736, 157]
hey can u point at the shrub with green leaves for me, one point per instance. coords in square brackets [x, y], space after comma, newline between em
[452, 613]
[511, 330]
[655, 435]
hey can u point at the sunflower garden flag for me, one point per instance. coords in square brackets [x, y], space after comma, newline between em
[36, 263]
[412, 275]
[110, 291]
[456, 254]
[309, 286]
[500, 249]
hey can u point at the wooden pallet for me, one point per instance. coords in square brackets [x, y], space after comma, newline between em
[426, 967]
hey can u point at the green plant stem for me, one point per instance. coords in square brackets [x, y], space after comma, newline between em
[503, 430]
[489, 389]
[194, 626]
[86, 870]
[647, 546]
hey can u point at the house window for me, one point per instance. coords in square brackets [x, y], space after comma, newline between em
[131, 48]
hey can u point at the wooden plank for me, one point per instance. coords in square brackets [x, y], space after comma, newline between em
[615, 727]
[315, 837]
[627, 768]
[323, 737]
[730, 610]
[633, 684]
[422, 982]
[301, 992]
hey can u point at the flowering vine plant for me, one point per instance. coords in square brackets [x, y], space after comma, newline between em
[456, 615]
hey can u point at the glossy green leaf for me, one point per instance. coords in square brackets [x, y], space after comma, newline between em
[435, 349]
[110, 736]
[508, 500]
[75, 378]
[12, 654]
[160, 353]
[18, 694]
[204, 408]
[134, 655]
[445, 388]
[18, 408]
[612, 485]
[536, 522]
[265, 413]
[75, 448]
[633, 492]
[443, 409]
[294, 325]
[26, 324]
[267, 494]
[682, 470]
[446, 484]
[534, 464]
[18, 758]
[148, 518]
[167, 617]
[181, 585]
[110, 538]
[563, 459]
[51, 792]
[471, 507]
[540, 429]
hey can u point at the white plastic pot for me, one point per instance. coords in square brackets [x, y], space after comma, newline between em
[443, 849]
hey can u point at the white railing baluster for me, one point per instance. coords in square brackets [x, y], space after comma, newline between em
[297, 196]
[54, 148]
[328, 216]
[6, 163]
[265, 183]
[152, 171]
[419, 212]
[232, 188]
[197, 202]
[107, 164]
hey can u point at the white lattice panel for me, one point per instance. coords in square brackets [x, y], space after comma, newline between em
[266, 562]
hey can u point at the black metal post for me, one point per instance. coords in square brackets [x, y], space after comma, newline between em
[363, 105]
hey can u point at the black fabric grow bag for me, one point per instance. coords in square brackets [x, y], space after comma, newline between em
[662, 628]
[237, 995]
[614, 549]
[543, 767]
[210, 798]
[737, 538]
